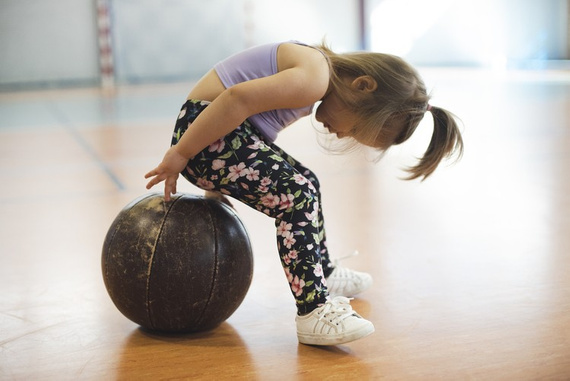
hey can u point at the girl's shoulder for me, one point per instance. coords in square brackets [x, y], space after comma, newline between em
[294, 54]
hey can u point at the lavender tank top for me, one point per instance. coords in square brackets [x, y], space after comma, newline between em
[259, 62]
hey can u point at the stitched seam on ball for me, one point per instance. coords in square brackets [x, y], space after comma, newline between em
[151, 261]
[215, 262]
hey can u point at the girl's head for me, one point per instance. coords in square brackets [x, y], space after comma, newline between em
[379, 100]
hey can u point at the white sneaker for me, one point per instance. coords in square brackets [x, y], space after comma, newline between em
[335, 322]
[347, 282]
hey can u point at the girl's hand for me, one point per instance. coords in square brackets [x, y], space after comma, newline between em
[168, 170]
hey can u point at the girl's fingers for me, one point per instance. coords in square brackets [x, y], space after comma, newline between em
[159, 175]
[154, 172]
[168, 190]
[155, 180]
[169, 185]
[150, 184]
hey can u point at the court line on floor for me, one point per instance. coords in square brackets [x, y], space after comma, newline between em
[73, 131]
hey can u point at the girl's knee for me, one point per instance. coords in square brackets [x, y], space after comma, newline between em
[303, 198]
[309, 182]
[312, 179]
[315, 182]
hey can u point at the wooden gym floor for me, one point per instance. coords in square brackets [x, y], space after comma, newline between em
[471, 267]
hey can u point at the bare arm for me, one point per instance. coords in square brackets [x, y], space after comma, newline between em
[302, 82]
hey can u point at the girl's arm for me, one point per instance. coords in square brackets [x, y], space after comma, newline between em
[303, 81]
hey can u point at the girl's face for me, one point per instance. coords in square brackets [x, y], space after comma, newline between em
[336, 118]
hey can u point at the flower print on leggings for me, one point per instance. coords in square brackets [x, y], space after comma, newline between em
[264, 177]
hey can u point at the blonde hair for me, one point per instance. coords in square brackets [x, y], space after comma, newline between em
[390, 114]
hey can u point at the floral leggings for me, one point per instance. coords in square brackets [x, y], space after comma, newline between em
[261, 175]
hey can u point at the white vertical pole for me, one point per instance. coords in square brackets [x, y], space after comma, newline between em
[104, 24]
[567, 30]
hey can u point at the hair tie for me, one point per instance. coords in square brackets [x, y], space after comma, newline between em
[428, 108]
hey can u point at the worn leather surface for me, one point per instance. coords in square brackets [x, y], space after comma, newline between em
[179, 266]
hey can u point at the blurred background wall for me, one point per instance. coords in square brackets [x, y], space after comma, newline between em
[56, 43]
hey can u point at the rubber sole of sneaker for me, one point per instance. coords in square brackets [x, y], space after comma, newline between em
[343, 338]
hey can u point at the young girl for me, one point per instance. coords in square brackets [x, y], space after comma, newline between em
[223, 142]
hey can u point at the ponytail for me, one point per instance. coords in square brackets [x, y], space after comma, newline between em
[390, 114]
[445, 142]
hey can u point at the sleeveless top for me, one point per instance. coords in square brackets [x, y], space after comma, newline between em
[258, 62]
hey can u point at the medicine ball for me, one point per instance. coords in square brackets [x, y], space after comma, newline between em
[178, 266]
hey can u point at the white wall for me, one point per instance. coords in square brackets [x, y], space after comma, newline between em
[54, 42]
[172, 39]
[470, 32]
[306, 20]
[47, 41]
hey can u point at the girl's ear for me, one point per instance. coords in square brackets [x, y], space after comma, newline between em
[364, 83]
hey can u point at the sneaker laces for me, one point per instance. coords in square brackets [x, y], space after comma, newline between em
[343, 273]
[337, 261]
[339, 306]
[343, 281]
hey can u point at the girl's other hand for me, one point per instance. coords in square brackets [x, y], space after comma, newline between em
[168, 170]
